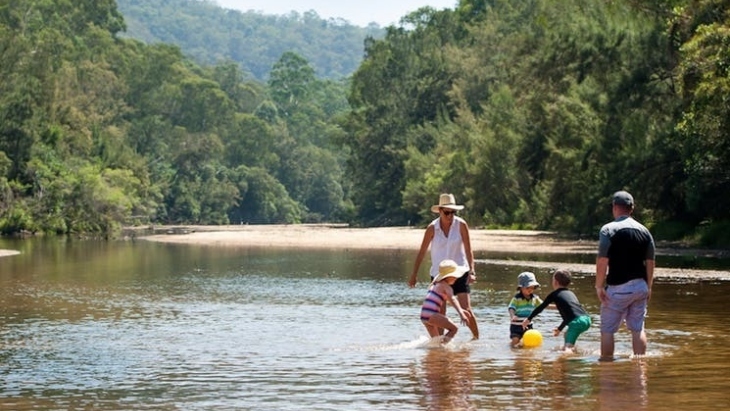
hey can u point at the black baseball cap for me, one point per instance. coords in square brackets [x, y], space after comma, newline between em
[623, 198]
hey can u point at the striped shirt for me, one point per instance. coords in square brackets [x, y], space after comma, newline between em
[523, 307]
[432, 304]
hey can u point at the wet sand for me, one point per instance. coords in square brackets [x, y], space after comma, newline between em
[408, 238]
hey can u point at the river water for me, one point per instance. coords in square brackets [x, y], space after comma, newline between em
[148, 326]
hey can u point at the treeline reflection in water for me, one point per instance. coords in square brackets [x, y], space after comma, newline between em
[136, 325]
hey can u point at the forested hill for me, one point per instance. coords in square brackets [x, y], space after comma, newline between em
[211, 34]
[531, 112]
[534, 112]
[99, 130]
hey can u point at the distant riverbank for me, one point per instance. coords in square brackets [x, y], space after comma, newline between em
[342, 236]
[408, 238]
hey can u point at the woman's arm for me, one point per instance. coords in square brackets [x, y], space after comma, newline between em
[427, 238]
[466, 240]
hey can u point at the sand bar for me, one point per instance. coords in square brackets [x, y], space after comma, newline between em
[510, 242]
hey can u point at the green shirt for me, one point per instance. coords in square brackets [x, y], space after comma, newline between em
[522, 306]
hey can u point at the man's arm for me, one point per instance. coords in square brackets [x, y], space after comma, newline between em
[601, 271]
[650, 265]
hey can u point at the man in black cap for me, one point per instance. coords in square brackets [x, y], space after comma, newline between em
[624, 275]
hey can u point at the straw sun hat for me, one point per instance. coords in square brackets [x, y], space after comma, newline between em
[446, 201]
[449, 268]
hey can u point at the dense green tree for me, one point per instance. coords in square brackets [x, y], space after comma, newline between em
[532, 113]
[704, 75]
[265, 200]
[290, 83]
[541, 110]
[251, 141]
[402, 84]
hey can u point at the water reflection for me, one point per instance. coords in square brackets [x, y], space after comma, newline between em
[529, 369]
[448, 379]
[622, 385]
[151, 326]
[568, 380]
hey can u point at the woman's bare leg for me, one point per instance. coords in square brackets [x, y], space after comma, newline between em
[465, 302]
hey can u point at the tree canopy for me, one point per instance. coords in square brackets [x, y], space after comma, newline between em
[532, 113]
[98, 130]
[210, 35]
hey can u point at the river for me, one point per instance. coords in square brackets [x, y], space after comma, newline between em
[152, 326]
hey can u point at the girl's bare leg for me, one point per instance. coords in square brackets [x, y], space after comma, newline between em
[442, 311]
[433, 331]
[442, 322]
[449, 335]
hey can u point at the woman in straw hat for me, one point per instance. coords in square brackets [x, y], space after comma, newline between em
[438, 294]
[448, 237]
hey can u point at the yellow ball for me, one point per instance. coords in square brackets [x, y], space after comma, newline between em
[532, 338]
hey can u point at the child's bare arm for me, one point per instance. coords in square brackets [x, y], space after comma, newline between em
[462, 312]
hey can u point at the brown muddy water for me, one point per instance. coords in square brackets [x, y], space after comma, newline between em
[148, 326]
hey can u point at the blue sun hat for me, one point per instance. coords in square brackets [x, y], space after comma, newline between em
[527, 279]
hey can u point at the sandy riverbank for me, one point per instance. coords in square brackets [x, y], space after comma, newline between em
[333, 236]
[407, 238]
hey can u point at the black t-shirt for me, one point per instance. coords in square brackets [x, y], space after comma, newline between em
[567, 303]
[627, 244]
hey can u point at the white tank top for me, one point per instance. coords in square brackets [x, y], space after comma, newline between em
[447, 247]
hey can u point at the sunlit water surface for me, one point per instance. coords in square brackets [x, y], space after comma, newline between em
[137, 325]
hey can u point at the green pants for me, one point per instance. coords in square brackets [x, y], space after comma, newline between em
[576, 328]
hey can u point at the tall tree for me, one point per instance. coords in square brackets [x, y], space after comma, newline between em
[290, 83]
[704, 78]
[402, 84]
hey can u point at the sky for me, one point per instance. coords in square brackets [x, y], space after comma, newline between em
[359, 13]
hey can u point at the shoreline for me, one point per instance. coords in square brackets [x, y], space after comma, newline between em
[324, 236]
[344, 237]
[513, 244]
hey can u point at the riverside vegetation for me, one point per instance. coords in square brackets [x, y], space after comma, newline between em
[531, 112]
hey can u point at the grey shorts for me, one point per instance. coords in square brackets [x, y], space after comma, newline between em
[627, 302]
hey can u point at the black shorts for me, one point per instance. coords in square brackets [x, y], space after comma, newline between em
[462, 284]
[516, 331]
